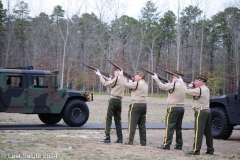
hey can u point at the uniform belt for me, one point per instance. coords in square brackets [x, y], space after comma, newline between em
[116, 96]
[201, 109]
[175, 105]
[140, 101]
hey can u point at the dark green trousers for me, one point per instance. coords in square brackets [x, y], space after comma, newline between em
[203, 127]
[114, 109]
[173, 122]
[137, 116]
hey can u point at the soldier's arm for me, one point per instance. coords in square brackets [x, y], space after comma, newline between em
[107, 83]
[166, 86]
[126, 84]
[192, 92]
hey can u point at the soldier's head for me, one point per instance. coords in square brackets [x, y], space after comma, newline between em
[200, 80]
[116, 71]
[140, 75]
[174, 78]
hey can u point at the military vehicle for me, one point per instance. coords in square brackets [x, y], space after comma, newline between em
[28, 91]
[225, 114]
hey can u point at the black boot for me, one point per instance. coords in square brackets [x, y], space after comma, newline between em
[119, 141]
[193, 153]
[162, 147]
[105, 141]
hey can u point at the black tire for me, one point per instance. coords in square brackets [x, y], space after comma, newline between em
[221, 128]
[50, 118]
[76, 113]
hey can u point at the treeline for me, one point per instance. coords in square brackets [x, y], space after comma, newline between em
[190, 43]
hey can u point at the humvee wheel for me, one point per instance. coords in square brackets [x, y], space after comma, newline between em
[76, 113]
[221, 128]
[50, 118]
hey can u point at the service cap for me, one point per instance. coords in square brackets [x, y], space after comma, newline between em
[179, 73]
[115, 68]
[141, 73]
[202, 78]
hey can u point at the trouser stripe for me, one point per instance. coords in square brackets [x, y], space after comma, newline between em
[167, 125]
[106, 117]
[196, 132]
[129, 123]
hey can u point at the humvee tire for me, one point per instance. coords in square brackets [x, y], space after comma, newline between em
[76, 113]
[50, 118]
[221, 128]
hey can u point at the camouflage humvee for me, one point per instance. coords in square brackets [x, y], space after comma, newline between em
[28, 91]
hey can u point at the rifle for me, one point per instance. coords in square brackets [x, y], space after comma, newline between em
[159, 77]
[124, 73]
[186, 80]
[105, 75]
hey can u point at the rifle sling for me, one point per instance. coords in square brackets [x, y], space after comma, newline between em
[115, 83]
[136, 87]
[199, 94]
[171, 91]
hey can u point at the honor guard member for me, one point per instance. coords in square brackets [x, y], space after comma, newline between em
[114, 108]
[175, 110]
[200, 105]
[138, 108]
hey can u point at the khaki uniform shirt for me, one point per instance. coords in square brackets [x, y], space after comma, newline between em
[140, 94]
[118, 90]
[177, 97]
[203, 101]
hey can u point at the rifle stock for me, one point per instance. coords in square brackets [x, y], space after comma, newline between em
[159, 77]
[95, 69]
[186, 80]
[124, 73]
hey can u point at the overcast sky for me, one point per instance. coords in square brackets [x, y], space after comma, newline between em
[119, 7]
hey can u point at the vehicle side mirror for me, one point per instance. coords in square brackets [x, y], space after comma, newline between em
[56, 78]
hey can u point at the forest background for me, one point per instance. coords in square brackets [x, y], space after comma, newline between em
[189, 41]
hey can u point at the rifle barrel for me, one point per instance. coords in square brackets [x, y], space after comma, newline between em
[124, 73]
[95, 69]
[186, 80]
[159, 77]
[89, 66]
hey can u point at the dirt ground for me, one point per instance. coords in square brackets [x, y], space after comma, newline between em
[84, 144]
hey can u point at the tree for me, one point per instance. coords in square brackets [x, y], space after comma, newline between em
[149, 33]
[92, 43]
[3, 17]
[61, 26]
[22, 23]
[166, 39]
[2, 27]
[40, 37]
[232, 41]
[189, 27]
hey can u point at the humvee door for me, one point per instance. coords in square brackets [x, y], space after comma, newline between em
[39, 94]
[13, 95]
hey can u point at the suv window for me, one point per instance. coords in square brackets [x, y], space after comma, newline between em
[40, 82]
[14, 81]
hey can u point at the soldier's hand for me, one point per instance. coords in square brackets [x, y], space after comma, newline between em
[121, 72]
[109, 78]
[97, 72]
[180, 79]
[154, 76]
[130, 81]
[190, 85]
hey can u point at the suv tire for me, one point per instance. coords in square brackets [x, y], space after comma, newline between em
[50, 118]
[76, 113]
[221, 128]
